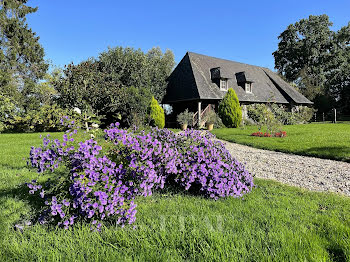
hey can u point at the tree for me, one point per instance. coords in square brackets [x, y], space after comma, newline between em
[160, 66]
[7, 112]
[117, 83]
[156, 114]
[86, 86]
[130, 67]
[303, 52]
[338, 75]
[22, 61]
[21, 54]
[133, 105]
[229, 109]
[317, 59]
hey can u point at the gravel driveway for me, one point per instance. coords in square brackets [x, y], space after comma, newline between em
[307, 172]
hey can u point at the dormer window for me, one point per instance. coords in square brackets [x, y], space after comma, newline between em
[248, 87]
[220, 76]
[245, 80]
[223, 84]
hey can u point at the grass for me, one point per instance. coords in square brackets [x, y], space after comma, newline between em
[331, 141]
[273, 223]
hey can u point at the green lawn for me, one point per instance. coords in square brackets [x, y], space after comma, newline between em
[321, 140]
[273, 223]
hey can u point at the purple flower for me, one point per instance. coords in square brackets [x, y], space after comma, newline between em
[65, 202]
[42, 194]
[102, 186]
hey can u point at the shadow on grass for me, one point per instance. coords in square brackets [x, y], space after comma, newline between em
[340, 153]
[337, 253]
[336, 152]
[34, 201]
[21, 192]
[14, 168]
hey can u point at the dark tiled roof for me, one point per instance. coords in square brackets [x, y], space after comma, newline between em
[243, 77]
[181, 83]
[191, 80]
[285, 87]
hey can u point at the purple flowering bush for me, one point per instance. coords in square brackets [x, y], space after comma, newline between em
[98, 181]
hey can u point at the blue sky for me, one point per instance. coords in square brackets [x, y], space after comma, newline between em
[244, 31]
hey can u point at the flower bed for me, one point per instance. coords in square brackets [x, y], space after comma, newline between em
[96, 187]
[277, 134]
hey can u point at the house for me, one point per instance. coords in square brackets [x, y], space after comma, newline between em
[199, 82]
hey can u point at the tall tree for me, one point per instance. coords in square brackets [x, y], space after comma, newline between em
[20, 50]
[303, 52]
[338, 75]
[130, 67]
[115, 82]
[21, 55]
[317, 60]
[160, 66]
[88, 87]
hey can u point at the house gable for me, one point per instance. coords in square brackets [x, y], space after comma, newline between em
[181, 83]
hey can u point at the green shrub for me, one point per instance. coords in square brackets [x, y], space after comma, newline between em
[7, 112]
[263, 115]
[156, 114]
[256, 112]
[185, 118]
[211, 118]
[304, 114]
[230, 111]
[282, 114]
[299, 115]
[46, 118]
[218, 123]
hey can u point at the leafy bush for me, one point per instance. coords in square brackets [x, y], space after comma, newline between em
[96, 184]
[7, 112]
[156, 114]
[185, 117]
[299, 114]
[46, 118]
[256, 112]
[282, 114]
[304, 114]
[263, 116]
[230, 111]
[218, 123]
[211, 117]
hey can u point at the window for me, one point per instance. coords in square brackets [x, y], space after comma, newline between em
[248, 87]
[223, 84]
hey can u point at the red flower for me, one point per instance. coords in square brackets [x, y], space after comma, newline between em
[281, 134]
[257, 134]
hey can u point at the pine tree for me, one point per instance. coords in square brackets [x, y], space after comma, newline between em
[21, 55]
[229, 109]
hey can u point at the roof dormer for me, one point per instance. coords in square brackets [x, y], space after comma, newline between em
[220, 76]
[219, 73]
[245, 80]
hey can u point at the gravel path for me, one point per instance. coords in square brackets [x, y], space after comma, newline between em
[307, 172]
